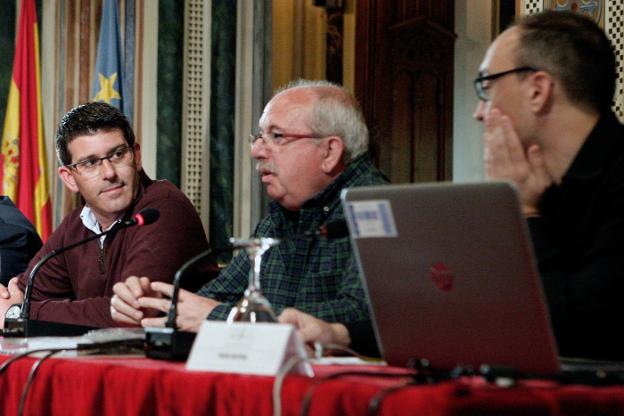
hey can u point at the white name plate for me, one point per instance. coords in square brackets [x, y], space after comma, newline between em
[246, 348]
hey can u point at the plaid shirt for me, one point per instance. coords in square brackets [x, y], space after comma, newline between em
[317, 276]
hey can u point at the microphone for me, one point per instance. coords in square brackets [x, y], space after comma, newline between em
[334, 229]
[330, 230]
[144, 217]
[170, 344]
[20, 326]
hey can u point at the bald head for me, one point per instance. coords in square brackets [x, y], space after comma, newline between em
[502, 53]
[333, 111]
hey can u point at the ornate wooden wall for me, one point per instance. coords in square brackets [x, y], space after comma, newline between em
[404, 80]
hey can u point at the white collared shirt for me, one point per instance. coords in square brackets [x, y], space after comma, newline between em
[91, 223]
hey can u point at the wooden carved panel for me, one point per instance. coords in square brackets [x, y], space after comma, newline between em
[404, 79]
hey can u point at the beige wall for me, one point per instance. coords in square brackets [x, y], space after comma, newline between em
[299, 42]
[473, 25]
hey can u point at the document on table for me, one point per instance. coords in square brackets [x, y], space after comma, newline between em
[13, 346]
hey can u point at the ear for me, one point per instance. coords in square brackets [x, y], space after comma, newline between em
[333, 152]
[540, 91]
[137, 156]
[67, 176]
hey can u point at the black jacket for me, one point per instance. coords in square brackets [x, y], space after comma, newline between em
[579, 244]
[19, 240]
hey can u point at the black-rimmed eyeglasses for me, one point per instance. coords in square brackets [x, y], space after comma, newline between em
[481, 89]
[89, 167]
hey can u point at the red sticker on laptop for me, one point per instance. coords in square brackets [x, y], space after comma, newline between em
[441, 276]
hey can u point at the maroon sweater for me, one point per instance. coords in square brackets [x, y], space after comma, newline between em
[76, 286]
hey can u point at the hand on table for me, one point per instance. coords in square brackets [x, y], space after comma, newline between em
[192, 309]
[125, 307]
[316, 330]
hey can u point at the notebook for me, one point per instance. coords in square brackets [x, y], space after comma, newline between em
[450, 275]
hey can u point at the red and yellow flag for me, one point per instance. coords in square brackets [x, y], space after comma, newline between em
[23, 167]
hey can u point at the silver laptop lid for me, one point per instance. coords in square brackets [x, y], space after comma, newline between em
[450, 275]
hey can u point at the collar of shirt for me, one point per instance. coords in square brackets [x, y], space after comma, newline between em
[91, 223]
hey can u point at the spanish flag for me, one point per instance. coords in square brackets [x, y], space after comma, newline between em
[23, 167]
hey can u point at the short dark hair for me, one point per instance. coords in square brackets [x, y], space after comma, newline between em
[573, 49]
[88, 119]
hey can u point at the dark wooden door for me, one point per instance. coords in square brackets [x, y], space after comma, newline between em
[404, 80]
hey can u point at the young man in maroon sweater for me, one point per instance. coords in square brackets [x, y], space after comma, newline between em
[101, 161]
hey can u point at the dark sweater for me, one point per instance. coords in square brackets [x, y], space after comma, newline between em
[579, 243]
[76, 286]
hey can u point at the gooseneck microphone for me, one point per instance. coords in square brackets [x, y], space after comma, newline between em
[146, 216]
[170, 344]
[172, 314]
[18, 327]
[331, 230]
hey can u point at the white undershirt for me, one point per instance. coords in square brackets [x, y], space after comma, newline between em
[91, 223]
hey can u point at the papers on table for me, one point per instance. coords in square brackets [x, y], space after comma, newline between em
[13, 346]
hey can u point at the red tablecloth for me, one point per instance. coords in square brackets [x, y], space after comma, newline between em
[139, 386]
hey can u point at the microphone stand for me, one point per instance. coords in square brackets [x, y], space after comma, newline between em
[168, 343]
[23, 326]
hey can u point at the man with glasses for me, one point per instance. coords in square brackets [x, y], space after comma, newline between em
[312, 144]
[545, 88]
[101, 161]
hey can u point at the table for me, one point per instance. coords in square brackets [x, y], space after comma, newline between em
[140, 386]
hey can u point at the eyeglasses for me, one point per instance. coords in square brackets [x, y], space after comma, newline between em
[89, 167]
[482, 89]
[278, 139]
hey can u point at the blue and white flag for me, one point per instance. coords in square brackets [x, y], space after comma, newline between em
[107, 81]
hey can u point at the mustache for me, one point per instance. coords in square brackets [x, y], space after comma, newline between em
[112, 186]
[265, 167]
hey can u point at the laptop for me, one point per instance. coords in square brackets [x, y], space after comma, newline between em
[451, 277]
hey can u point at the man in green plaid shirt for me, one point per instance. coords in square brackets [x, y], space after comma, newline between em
[312, 144]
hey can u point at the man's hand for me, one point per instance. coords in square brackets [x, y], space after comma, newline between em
[125, 307]
[506, 159]
[4, 290]
[12, 295]
[315, 330]
[192, 309]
